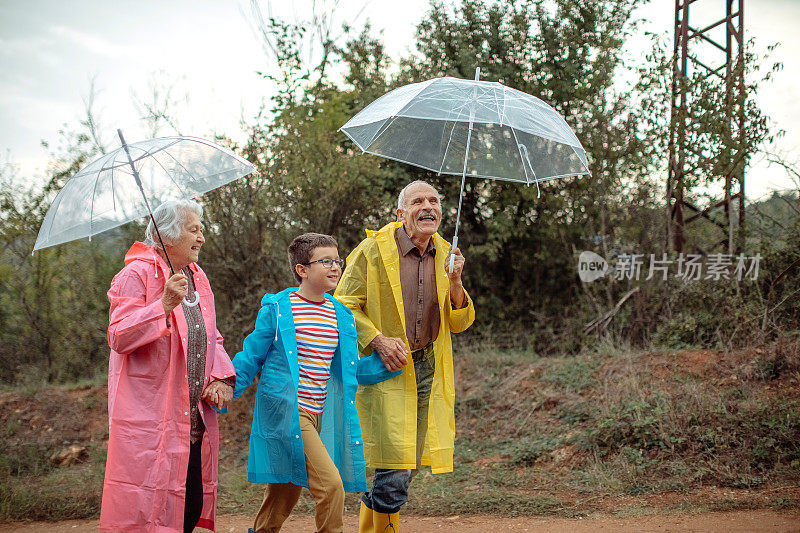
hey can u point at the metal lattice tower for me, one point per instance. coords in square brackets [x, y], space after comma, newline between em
[685, 159]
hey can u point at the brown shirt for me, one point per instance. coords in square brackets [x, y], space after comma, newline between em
[418, 283]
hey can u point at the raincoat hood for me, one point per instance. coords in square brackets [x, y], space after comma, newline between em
[144, 252]
[270, 298]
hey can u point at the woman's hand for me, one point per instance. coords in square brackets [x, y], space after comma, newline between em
[218, 394]
[174, 291]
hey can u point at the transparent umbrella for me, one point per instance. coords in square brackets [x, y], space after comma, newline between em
[123, 184]
[470, 128]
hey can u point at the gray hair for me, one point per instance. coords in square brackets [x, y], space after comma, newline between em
[401, 198]
[170, 218]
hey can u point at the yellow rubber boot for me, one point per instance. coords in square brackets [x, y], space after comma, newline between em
[386, 522]
[365, 524]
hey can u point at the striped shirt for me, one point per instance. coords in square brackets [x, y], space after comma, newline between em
[317, 338]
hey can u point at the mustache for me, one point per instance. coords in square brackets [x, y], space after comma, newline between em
[427, 212]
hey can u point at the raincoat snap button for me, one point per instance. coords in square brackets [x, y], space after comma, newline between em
[198, 356]
[197, 326]
[297, 436]
[186, 412]
[352, 362]
[358, 442]
[197, 383]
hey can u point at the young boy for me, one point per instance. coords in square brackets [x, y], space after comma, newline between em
[305, 430]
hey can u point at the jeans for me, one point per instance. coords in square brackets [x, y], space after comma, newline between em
[390, 487]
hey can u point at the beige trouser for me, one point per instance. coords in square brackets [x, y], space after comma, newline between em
[324, 483]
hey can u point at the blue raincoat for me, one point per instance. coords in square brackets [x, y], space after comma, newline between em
[276, 444]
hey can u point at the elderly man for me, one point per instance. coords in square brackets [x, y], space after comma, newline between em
[406, 304]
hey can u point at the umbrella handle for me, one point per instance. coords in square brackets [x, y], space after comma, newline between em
[452, 256]
[195, 302]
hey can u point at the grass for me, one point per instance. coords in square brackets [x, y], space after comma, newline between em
[58, 494]
[622, 433]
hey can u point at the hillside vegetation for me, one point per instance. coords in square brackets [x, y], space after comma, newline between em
[610, 432]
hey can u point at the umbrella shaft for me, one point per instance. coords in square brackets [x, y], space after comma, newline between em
[144, 196]
[463, 176]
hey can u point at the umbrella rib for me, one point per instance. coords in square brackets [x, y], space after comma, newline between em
[173, 142]
[449, 140]
[497, 106]
[382, 130]
[395, 117]
[179, 164]
[397, 114]
[180, 189]
[113, 193]
[91, 206]
[579, 158]
[498, 178]
[55, 207]
[522, 159]
[516, 141]
[190, 174]
[447, 148]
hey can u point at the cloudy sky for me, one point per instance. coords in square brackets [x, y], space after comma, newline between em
[207, 51]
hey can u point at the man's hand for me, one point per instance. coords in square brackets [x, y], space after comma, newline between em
[456, 288]
[392, 351]
[174, 291]
[218, 394]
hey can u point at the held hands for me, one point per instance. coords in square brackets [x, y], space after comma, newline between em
[218, 394]
[392, 351]
[174, 291]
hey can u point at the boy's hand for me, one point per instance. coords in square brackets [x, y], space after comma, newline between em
[218, 394]
[392, 351]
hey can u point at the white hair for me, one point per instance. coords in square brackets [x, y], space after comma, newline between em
[170, 218]
[401, 198]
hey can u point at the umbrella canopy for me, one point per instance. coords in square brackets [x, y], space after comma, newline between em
[122, 185]
[477, 128]
[515, 136]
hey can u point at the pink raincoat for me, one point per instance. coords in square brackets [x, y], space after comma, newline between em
[148, 401]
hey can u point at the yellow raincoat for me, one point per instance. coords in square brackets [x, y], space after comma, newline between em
[370, 288]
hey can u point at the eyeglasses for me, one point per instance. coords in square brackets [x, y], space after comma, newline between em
[328, 263]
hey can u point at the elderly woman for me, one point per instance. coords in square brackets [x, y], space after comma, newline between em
[167, 369]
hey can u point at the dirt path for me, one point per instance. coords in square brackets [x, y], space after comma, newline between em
[733, 522]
